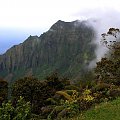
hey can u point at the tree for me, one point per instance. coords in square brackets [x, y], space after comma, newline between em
[37, 91]
[57, 83]
[108, 69]
[3, 90]
[32, 90]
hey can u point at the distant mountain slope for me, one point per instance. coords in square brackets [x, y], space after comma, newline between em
[65, 47]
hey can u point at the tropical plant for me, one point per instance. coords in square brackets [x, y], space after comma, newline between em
[21, 111]
[67, 106]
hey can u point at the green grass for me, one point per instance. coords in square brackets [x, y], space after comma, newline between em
[104, 111]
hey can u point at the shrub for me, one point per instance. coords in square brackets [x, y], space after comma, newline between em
[67, 106]
[32, 90]
[86, 100]
[22, 110]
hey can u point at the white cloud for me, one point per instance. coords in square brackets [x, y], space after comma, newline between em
[33, 13]
[43, 13]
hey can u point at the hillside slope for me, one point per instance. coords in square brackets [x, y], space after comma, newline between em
[104, 111]
[66, 47]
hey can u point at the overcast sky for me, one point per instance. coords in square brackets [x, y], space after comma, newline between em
[21, 18]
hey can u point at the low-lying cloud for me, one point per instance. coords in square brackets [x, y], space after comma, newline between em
[101, 20]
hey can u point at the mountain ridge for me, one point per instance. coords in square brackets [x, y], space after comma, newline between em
[61, 48]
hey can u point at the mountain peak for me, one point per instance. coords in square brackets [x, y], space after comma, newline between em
[59, 24]
[62, 25]
[60, 21]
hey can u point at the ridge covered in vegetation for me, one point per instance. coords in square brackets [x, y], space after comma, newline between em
[66, 48]
[58, 98]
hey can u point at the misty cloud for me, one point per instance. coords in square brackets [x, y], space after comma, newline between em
[101, 20]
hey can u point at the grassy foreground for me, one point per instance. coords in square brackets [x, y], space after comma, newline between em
[104, 111]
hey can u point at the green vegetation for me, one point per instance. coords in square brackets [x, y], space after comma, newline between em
[21, 110]
[3, 90]
[96, 96]
[103, 111]
[36, 91]
[67, 51]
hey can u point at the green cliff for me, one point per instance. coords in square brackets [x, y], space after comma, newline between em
[66, 48]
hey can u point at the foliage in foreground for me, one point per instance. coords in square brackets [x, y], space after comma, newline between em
[37, 91]
[56, 98]
[104, 111]
[21, 111]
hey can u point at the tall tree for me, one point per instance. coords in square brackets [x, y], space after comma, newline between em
[108, 69]
[3, 90]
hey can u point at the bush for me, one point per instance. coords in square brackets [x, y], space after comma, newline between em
[21, 111]
[86, 100]
[32, 90]
[67, 106]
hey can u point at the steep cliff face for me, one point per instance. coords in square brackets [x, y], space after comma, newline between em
[65, 47]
